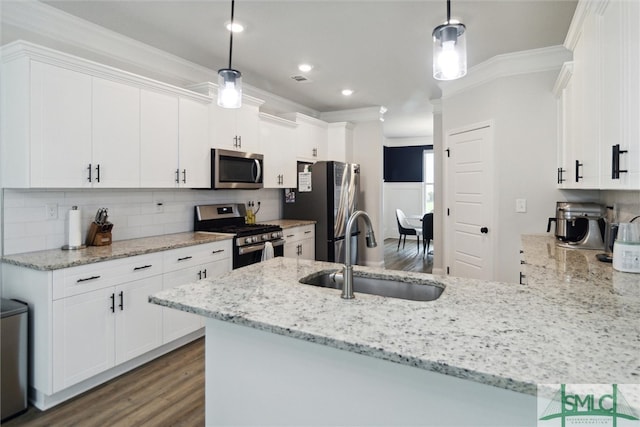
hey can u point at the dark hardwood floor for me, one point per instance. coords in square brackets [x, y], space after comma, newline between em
[407, 258]
[169, 391]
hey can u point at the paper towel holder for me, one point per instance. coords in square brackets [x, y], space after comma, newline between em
[73, 247]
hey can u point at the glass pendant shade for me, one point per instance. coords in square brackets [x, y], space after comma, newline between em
[449, 52]
[229, 88]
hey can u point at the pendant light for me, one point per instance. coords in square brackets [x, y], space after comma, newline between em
[230, 80]
[449, 49]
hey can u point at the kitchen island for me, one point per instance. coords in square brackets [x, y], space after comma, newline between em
[279, 350]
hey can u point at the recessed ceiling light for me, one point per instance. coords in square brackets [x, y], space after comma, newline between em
[237, 27]
[347, 92]
[305, 68]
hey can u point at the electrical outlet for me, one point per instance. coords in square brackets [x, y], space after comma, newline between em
[51, 211]
[159, 207]
[521, 205]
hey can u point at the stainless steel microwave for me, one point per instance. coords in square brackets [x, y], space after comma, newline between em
[235, 169]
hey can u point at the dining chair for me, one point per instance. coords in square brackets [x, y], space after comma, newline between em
[405, 229]
[427, 232]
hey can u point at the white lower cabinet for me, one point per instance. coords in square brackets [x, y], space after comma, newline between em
[95, 331]
[300, 242]
[92, 322]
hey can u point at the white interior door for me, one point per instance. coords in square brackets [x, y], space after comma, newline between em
[469, 202]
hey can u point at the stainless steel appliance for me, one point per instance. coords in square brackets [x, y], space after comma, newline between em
[329, 197]
[579, 225]
[249, 240]
[235, 169]
[13, 353]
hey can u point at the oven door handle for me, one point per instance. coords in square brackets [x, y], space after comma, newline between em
[258, 247]
[251, 248]
[279, 242]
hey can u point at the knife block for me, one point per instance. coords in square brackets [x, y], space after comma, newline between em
[95, 237]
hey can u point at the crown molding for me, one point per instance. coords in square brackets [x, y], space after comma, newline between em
[563, 78]
[22, 49]
[355, 115]
[68, 33]
[303, 118]
[511, 64]
[278, 120]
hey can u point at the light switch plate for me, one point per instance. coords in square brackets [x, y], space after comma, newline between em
[521, 205]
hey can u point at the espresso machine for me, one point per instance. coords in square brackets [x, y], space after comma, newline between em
[579, 225]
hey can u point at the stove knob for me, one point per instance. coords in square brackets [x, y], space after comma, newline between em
[274, 235]
[265, 237]
[249, 240]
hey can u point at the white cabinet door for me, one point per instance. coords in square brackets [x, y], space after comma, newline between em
[60, 112]
[236, 128]
[247, 128]
[300, 242]
[83, 336]
[585, 159]
[138, 323]
[176, 323]
[116, 134]
[194, 148]
[158, 140]
[276, 139]
[620, 66]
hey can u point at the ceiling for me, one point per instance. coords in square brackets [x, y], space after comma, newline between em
[380, 49]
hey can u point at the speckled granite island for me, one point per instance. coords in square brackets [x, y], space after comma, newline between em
[276, 347]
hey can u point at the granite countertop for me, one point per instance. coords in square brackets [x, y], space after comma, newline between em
[506, 335]
[289, 223]
[545, 262]
[55, 259]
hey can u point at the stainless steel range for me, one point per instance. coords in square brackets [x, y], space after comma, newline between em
[250, 239]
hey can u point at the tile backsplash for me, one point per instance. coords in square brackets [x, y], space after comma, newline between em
[134, 213]
[626, 203]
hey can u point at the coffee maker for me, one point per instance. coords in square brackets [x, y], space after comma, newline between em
[579, 225]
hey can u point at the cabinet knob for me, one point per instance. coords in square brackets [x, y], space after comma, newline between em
[484, 230]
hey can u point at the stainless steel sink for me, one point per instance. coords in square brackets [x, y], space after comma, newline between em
[382, 286]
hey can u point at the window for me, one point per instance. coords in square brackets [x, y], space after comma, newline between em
[428, 184]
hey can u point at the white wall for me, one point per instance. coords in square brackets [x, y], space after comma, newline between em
[367, 151]
[523, 111]
[133, 212]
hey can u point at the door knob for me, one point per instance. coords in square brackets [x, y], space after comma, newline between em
[484, 230]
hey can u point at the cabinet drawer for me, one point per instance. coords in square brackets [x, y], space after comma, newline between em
[299, 233]
[177, 259]
[87, 278]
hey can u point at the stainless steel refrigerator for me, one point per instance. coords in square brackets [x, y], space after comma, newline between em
[329, 196]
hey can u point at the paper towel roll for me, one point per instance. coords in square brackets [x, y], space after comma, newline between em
[75, 234]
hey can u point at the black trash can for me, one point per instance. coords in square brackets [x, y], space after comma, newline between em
[13, 357]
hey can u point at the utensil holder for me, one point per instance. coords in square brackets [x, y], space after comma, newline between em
[97, 237]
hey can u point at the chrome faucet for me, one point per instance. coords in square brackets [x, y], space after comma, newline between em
[347, 271]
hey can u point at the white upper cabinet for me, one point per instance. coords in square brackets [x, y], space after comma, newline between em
[47, 138]
[620, 68]
[195, 149]
[599, 105]
[158, 139]
[236, 128]
[233, 128]
[276, 139]
[72, 123]
[311, 137]
[340, 141]
[115, 135]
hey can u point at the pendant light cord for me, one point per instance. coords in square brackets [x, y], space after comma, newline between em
[448, 12]
[231, 35]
